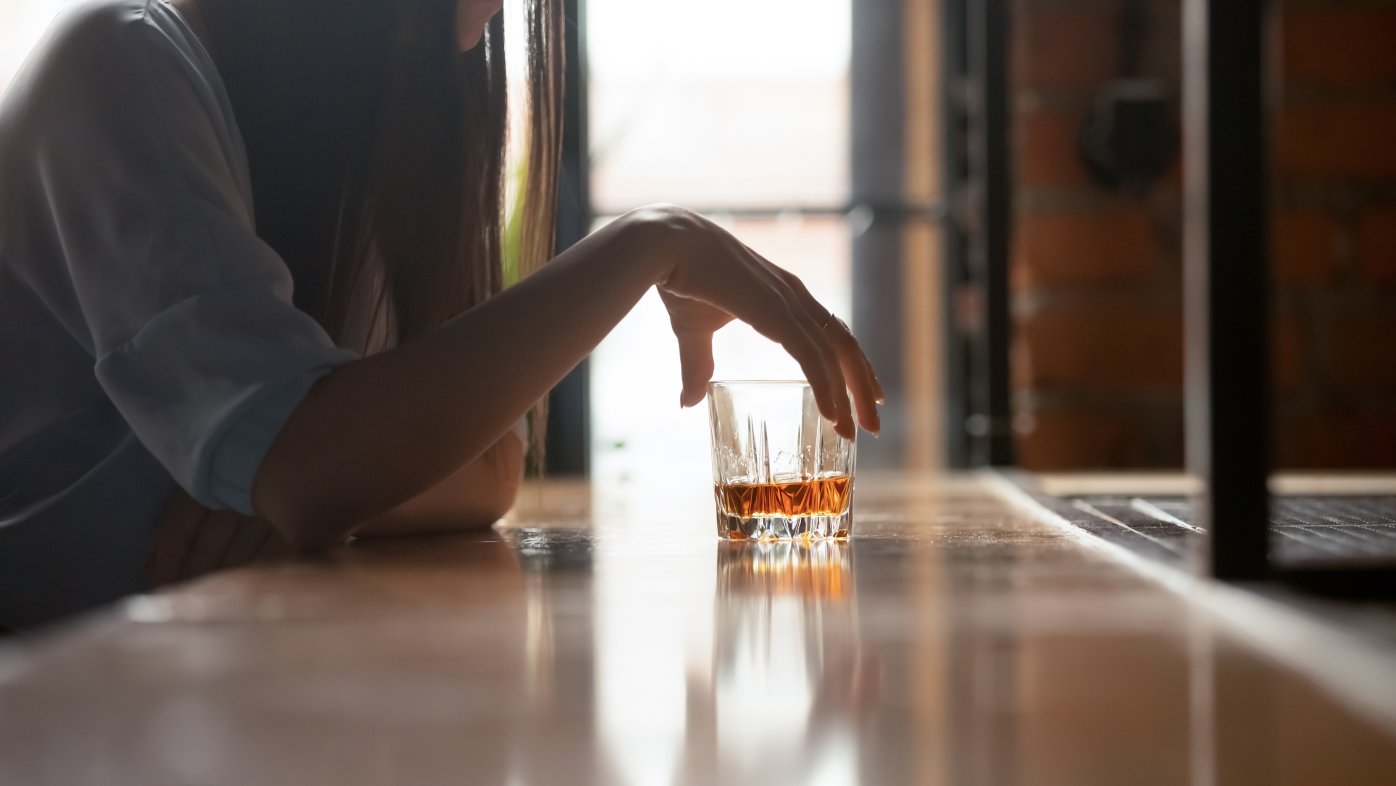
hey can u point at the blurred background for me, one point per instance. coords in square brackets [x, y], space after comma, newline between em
[851, 144]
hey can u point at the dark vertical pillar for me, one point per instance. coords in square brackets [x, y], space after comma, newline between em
[568, 435]
[877, 123]
[992, 204]
[957, 335]
[1225, 278]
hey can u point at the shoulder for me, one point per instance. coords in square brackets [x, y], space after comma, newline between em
[95, 19]
[106, 52]
[122, 90]
[99, 28]
[88, 35]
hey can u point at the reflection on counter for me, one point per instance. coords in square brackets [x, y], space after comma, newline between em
[789, 680]
[814, 569]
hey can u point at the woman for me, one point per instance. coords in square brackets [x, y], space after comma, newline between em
[250, 273]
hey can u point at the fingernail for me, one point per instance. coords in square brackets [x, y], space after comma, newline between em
[880, 400]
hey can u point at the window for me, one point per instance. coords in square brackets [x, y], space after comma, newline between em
[739, 110]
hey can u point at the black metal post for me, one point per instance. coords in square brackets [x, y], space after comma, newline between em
[991, 209]
[568, 441]
[1225, 279]
[956, 338]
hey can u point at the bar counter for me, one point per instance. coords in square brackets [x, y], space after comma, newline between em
[606, 636]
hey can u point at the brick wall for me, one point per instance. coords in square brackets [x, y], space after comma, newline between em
[1097, 275]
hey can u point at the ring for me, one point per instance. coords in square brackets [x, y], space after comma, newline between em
[829, 320]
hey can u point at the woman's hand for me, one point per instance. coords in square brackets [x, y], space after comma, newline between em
[192, 540]
[711, 278]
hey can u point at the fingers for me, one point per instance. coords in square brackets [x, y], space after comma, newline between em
[856, 372]
[191, 540]
[249, 538]
[175, 534]
[734, 280]
[801, 336]
[694, 323]
[696, 361]
[211, 543]
[782, 321]
[820, 364]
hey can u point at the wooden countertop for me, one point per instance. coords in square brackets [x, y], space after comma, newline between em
[607, 637]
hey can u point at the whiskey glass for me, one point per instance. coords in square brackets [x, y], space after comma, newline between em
[780, 470]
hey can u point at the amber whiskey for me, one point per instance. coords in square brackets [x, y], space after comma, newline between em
[782, 509]
[815, 497]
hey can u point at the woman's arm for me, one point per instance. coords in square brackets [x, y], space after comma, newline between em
[381, 430]
[192, 540]
[474, 496]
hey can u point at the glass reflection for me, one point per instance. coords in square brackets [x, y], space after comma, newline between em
[788, 672]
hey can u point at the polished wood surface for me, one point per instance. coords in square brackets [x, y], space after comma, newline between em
[605, 636]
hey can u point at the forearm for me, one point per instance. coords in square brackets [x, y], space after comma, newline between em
[382, 430]
[474, 496]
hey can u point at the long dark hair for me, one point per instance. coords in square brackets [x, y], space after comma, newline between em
[377, 149]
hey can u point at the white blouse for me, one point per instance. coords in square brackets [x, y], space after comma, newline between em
[147, 335]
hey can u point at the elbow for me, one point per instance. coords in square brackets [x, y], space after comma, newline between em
[500, 506]
[308, 527]
[315, 509]
[314, 539]
[491, 493]
[510, 479]
[471, 500]
[308, 505]
[311, 522]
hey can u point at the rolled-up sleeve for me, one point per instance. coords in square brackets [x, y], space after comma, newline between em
[189, 315]
[208, 384]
